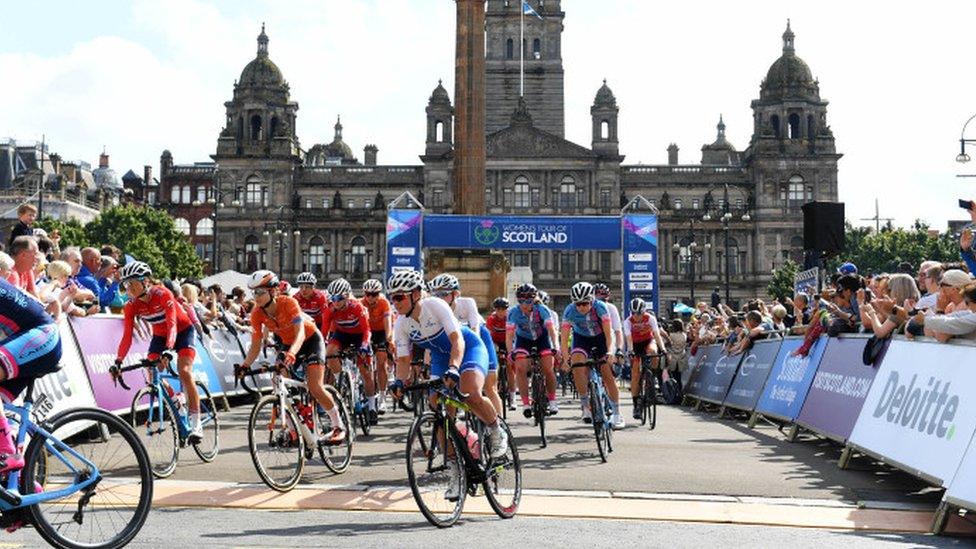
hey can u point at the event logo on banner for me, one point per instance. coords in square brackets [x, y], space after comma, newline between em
[921, 409]
[503, 232]
[640, 259]
[838, 390]
[753, 371]
[718, 382]
[790, 379]
[704, 370]
[403, 246]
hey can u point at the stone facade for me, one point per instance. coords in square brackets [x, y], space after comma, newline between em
[322, 210]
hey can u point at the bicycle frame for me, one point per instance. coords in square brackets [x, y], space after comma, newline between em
[445, 420]
[279, 386]
[594, 378]
[162, 396]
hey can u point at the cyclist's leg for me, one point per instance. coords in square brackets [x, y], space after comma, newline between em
[472, 383]
[365, 365]
[331, 350]
[185, 354]
[491, 390]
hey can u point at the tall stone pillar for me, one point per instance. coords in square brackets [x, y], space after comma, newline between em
[469, 119]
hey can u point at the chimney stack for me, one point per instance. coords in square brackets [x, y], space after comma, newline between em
[103, 160]
[672, 155]
[146, 176]
[369, 152]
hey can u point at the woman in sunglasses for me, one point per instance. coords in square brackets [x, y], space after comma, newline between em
[588, 321]
[531, 327]
[457, 354]
[347, 324]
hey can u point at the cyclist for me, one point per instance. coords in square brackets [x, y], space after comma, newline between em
[280, 315]
[30, 347]
[381, 328]
[602, 292]
[496, 323]
[643, 338]
[457, 354]
[545, 299]
[311, 300]
[447, 287]
[530, 327]
[588, 322]
[347, 323]
[171, 330]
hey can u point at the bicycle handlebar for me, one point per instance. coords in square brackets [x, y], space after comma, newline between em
[116, 371]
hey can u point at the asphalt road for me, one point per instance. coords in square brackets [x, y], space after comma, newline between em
[246, 528]
[690, 452]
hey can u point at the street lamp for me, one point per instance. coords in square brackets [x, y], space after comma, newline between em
[726, 219]
[216, 199]
[962, 157]
[692, 254]
[280, 230]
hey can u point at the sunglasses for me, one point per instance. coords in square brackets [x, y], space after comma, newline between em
[337, 298]
[443, 293]
[526, 301]
[583, 303]
[398, 297]
[372, 294]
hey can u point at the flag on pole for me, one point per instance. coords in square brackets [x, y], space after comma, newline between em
[527, 9]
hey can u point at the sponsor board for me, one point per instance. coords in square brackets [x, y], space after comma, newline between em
[962, 489]
[716, 383]
[640, 257]
[401, 250]
[789, 380]
[921, 410]
[806, 281]
[751, 377]
[641, 286]
[640, 277]
[704, 370]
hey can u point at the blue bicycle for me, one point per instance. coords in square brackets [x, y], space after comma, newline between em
[601, 408]
[86, 481]
[163, 424]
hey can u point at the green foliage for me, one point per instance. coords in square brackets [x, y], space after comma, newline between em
[781, 285]
[72, 231]
[148, 235]
[886, 250]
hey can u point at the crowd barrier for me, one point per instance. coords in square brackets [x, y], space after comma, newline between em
[914, 409]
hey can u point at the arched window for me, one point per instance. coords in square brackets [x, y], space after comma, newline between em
[509, 49]
[358, 260]
[522, 194]
[256, 127]
[316, 256]
[536, 49]
[798, 192]
[439, 132]
[774, 122]
[677, 203]
[567, 192]
[253, 196]
[182, 225]
[605, 130]
[175, 194]
[795, 126]
[205, 227]
[252, 253]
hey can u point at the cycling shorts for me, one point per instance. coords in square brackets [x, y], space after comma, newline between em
[641, 348]
[344, 340]
[29, 355]
[183, 345]
[380, 344]
[592, 346]
[475, 357]
[490, 347]
[524, 346]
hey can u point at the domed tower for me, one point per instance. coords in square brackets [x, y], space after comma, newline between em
[721, 152]
[440, 123]
[260, 117]
[604, 112]
[336, 153]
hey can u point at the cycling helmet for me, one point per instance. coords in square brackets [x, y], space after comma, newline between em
[544, 297]
[372, 285]
[445, 281]
[339, 286]
[637, 306]
[526, 291]
[405, 281]
[581, 291]
[136, 269]
[305, 278]
[263, 279]
[500, 303]
[601, 290]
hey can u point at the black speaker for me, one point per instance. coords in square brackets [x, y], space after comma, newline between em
[823, 227]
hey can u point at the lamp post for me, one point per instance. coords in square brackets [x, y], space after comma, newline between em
[281, 232]
[692, 254]
[216, 199]
[726, 218]
[962, 157]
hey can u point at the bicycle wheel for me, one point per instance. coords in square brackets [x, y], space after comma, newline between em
[650, 400]
[597, 412]
[434, 473]
[110, 512]
[506, 398]
[208, 447]
[540, 405]
[608, 429]
[277, 449]
[362, 416]
[153, 421]
[503, 479]
[337, 458]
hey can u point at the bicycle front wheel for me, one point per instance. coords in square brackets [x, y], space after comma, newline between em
[153, 421]
[435, 472]
[503, 479]
[277, 448]
[208, 447]
[599, 421]
[650, 400]
[109, 512]
[336, 458]
[540, 405]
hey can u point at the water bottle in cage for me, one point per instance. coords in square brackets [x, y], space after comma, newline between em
[471, 437]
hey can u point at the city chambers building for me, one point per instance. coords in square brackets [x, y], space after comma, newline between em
[731, 216]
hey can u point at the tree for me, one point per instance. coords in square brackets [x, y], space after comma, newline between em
[781, 285]
[148, 235]
[887, 250]
[72, 231]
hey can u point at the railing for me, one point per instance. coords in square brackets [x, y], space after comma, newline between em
[419, 170]
[682, 169]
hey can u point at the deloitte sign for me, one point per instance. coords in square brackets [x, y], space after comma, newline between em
[930, 408]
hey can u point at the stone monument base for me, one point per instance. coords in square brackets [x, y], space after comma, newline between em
[482, 273]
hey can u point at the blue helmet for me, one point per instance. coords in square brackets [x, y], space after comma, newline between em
[847, 268]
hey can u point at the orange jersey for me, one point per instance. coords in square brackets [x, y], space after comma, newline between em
[287, 320]
[378, 313]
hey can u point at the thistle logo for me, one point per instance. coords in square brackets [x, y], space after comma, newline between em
[486, 233]
[929, 410]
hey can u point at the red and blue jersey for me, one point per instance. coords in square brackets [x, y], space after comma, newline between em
[165, 317]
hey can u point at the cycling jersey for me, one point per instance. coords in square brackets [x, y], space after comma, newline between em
[614, 315]
[286, 322]
[352, 319]
[497, 327]
[378, 313]
[641, 328]
[529, 326]
[313, 305]
[432, 331]
[587, 325]
[30, 343]
[466, 311]
[166, 318]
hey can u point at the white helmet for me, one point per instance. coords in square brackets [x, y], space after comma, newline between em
[339, 286]
[263, 279]
[637, 306]
[306, 278]
[544, 297]
[581, 291]
[372, 285]
[405, 281]
[445, 281]
[135, 269]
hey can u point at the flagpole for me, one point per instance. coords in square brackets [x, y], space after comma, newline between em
[522, 51]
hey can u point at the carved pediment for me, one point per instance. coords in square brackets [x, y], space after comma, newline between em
[524, 141]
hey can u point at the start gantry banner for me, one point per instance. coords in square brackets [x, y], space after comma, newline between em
[503, 232]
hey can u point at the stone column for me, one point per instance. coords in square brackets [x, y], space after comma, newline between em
[469, 119]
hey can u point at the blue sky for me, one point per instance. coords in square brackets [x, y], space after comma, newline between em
[141, 76]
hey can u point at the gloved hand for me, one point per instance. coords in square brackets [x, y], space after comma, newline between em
[366, 349]
[288, 359]
[452, 376]
[118, 362]
[168, 357]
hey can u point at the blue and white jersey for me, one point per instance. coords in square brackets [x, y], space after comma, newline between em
[19, 312]
[529, 326]
[466, 311]
[430, 331]
[589, 324]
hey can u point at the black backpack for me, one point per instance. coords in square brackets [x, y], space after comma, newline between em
[671, 391]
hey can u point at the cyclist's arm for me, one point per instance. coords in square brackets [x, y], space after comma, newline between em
[509, 337]
[610, 334]
[170, 324]
[388, 325]
[564, 342]
[127, 326]
[551, 328]
[257, 341]
[364, 325]
[402, 343]
[457, 349]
